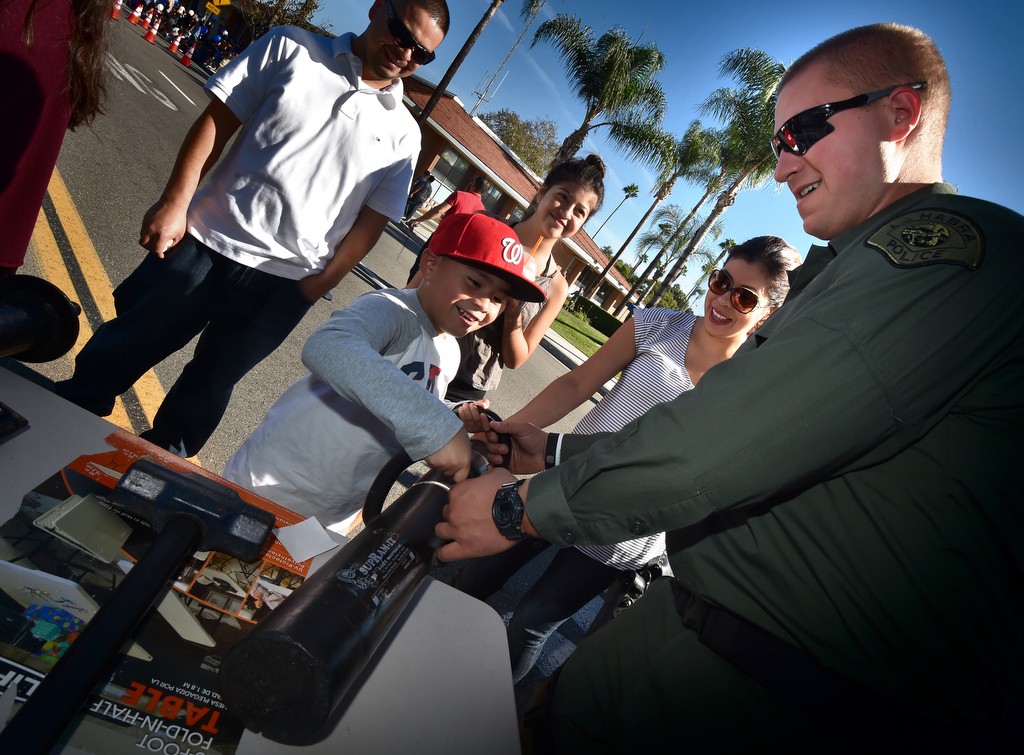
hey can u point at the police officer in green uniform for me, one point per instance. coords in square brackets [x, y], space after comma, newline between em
[846, 537]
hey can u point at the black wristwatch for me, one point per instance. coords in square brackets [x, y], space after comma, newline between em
[508, 510]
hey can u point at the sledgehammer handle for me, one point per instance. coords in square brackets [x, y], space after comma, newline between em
[41, 721]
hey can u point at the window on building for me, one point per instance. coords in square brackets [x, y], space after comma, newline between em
[493, 198]
[586, 280]
[450, 170]
[453, 173]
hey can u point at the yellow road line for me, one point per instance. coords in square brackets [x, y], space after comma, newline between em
[148, 387]
[57, 274]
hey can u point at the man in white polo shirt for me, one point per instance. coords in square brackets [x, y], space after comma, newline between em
[323, 157]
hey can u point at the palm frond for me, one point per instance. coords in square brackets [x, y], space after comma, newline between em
[531, 8]
[638, 139]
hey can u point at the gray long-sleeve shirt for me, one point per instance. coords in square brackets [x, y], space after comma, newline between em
[377, 370]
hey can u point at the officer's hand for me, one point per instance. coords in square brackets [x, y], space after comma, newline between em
[528, 446]
[468, 523]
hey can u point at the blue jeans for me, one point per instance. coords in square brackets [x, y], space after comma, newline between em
[411, 208]
[571, 580]
[242, 313]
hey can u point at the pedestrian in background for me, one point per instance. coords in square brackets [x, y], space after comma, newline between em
[418, 194]
[468, 200]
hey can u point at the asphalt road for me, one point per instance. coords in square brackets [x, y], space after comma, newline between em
[114, 171]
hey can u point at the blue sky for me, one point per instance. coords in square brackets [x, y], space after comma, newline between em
[980, 42]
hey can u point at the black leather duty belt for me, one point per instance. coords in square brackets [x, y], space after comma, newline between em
[797, 678]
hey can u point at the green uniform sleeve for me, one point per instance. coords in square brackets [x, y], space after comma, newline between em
[860, 365]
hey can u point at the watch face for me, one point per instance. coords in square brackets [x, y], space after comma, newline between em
[507, 511]
[503, 510]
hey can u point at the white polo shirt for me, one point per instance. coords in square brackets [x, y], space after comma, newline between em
[315, 146]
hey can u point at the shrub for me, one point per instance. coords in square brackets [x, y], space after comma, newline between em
[604, 321]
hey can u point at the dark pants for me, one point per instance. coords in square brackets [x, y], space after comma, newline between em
[412, 207]
[571, 580]
[243, 315]
[645, 683]
[460, 391]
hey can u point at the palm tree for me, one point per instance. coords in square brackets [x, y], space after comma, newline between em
[661, 236]
[674, 229]
[693, 158]
[529, 14]
[702, 253]
[442, 85]
[641, 259]
[629, 191]
[614, 77]
[747, 158]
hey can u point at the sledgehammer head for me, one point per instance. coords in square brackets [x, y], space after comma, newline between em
[155, 494]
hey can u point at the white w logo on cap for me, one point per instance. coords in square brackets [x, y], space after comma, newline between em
[512, 251]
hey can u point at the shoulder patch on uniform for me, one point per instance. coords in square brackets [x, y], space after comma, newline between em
[930, 237]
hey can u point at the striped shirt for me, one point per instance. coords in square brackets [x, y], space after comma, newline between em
[657, 374]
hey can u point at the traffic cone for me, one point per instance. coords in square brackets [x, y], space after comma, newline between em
[116, 13]
[147, 20]
[136, 14]
[186, 59]
[151, 34]
[174, 45]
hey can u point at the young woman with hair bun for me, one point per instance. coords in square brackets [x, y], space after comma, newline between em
[570, 193]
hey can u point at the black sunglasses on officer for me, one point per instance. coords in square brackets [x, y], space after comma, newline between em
[807, 128]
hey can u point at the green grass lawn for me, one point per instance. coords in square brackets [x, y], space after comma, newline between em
[578, 332]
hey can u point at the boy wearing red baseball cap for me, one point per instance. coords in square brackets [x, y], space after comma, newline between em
[377, 371]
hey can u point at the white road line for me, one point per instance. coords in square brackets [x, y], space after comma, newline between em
[176, 87]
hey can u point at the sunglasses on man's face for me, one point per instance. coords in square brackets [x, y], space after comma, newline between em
[420, 54]
[743, 300]
[805, 129]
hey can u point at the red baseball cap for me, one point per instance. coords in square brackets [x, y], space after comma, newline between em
[479, 240]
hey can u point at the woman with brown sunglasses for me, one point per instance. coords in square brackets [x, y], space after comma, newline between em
[661, 353]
